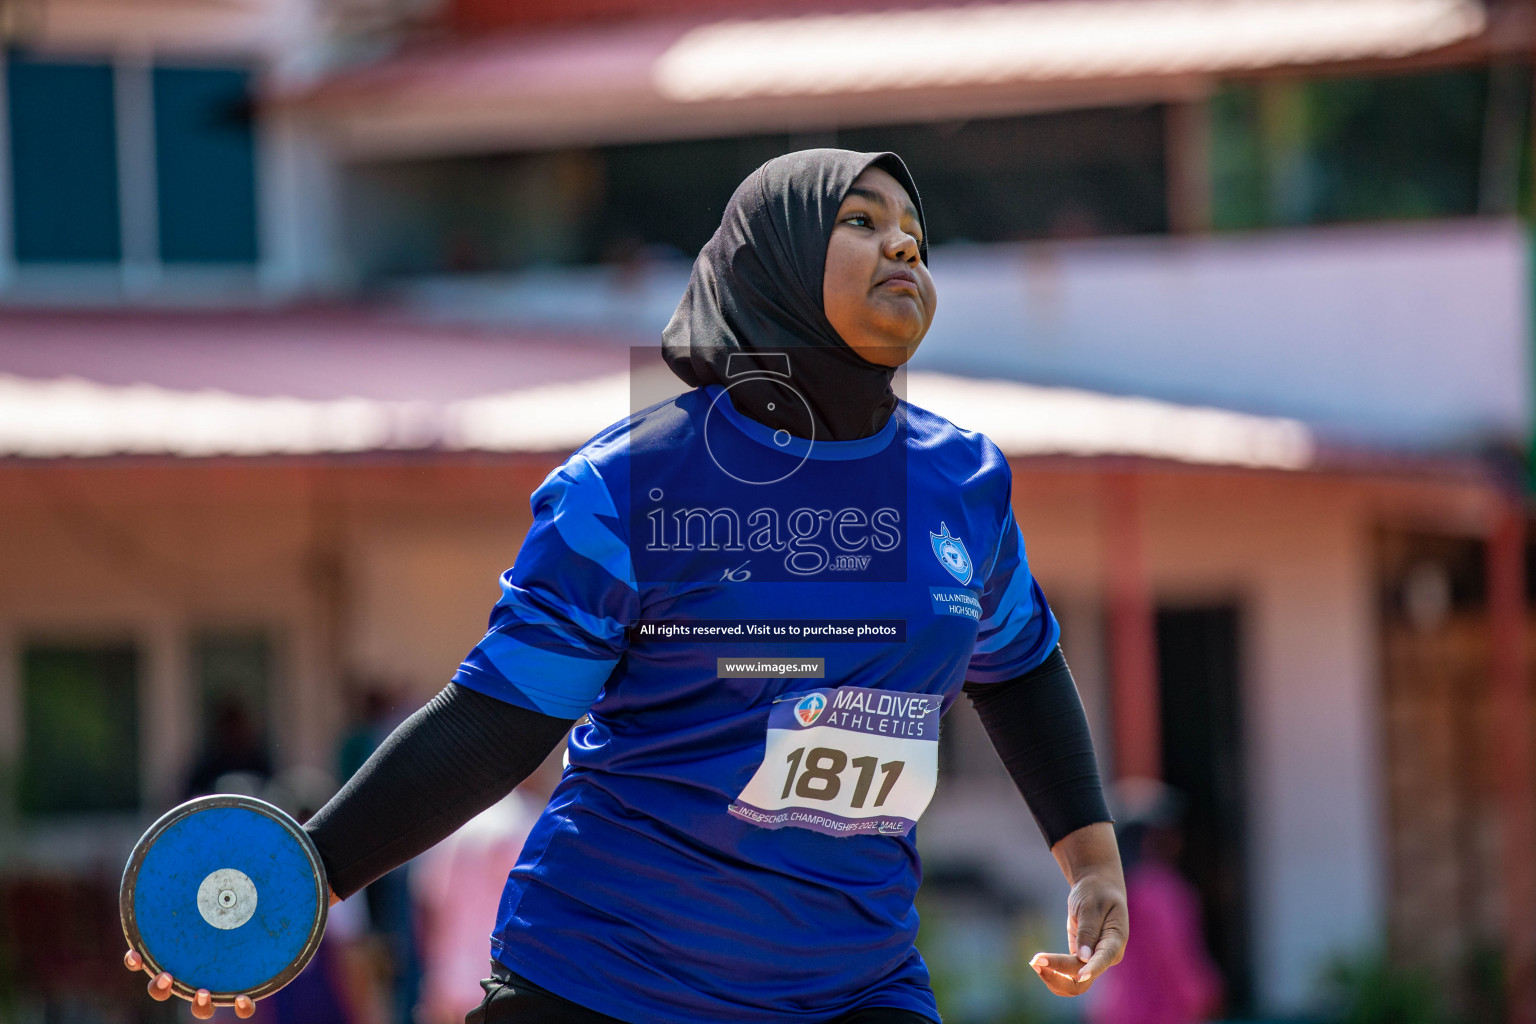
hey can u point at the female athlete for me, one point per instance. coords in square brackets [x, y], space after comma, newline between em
[758, 598]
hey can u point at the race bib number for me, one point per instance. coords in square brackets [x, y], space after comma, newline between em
[846, 761]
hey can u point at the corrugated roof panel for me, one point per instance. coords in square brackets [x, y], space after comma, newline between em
[71, 417]
[1063, 40]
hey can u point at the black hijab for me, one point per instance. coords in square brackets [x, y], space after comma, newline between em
[755, 294]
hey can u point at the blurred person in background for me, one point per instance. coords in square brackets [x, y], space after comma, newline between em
[456, 887]
[341, 984]
[377, 709]
[1167, 976]
[234, 757]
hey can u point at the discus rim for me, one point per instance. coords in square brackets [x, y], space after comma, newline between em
[186, 810]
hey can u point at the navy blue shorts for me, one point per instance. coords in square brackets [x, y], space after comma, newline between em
[511, 999]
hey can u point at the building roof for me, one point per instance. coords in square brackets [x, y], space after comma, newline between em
[311, 354]
[672, 78]
[84, 386]
[1038, 42]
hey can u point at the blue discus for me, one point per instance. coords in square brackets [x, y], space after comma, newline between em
[227, 893]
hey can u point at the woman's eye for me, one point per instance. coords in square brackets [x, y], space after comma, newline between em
[858, 220]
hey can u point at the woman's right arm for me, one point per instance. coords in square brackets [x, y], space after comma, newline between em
[449, 761]
[553, 639]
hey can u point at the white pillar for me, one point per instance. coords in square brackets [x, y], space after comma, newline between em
[298, 192]
[166, 711]
[138, 200]
[7, 233]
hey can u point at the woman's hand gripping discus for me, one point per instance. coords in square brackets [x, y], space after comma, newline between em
[202, 1003]
[160, 986]
[1098, 923]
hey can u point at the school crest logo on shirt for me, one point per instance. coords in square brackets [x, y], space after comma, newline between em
[809, 708]
[951, 554]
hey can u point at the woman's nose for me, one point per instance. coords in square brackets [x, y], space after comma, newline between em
[901, 246]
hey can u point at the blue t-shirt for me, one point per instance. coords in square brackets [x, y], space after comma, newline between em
[656, 886]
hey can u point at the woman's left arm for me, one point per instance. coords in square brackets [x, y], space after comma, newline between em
[1097, 920]
[1037, 724]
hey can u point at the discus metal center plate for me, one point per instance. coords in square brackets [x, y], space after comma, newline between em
[227, 898]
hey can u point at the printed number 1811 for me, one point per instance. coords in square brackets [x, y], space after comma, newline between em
[822, 778]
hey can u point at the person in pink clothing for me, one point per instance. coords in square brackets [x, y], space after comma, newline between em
[1167, 975]
[456, 887]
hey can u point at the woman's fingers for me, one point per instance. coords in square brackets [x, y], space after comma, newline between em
[1102, 959]
[160, 987]
[1095, 914]
[1103, 938]
[1106, 954]
[202, 1002]
[1059, 972]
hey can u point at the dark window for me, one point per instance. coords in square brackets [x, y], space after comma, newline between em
[1086, 172]
[1064, 175]
[1083, 172]
[80, 741]
[233, 670]
[63, 161]
[205, 163]
[233, 666]
[672, 194]
[1071, 174]
[469, 214]
[1199, 655]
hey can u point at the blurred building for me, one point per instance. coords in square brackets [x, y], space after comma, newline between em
[300, 299]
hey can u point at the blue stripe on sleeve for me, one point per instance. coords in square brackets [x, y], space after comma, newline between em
[573, 624]
[1017, 630]
[1013, 612]
[475, 672]
[560, 625]
[556, 684]
[585, 516]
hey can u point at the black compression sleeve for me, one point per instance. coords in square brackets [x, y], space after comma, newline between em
[449, 761]
[1037, 724]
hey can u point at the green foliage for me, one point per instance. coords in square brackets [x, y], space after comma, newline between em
[1370, 989]
[978, 961]
[1238, 192]
[1330, 150]
[81, 726]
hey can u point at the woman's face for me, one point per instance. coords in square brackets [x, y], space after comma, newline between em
[878, 294]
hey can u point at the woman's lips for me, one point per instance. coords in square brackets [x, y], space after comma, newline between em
[902, 279]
